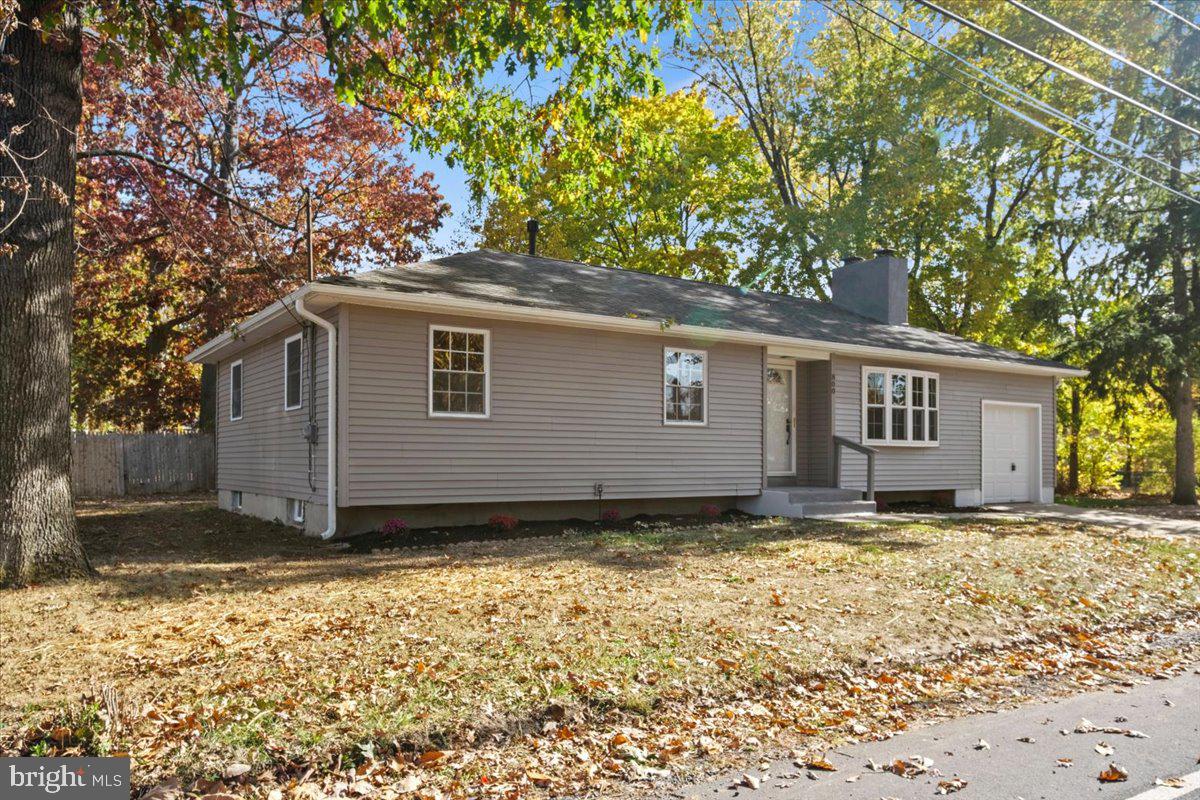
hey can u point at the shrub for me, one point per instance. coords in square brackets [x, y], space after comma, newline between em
[710, 511]
[394, 526]
[610, 515]
[503, 522]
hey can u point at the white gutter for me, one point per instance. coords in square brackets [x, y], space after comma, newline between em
[331, 424]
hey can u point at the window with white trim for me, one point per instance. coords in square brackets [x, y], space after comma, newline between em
[900, 407]
[235, 390]
[235, 500]
[685, 392]
[458, 372]
[296, 510]
[293, 369]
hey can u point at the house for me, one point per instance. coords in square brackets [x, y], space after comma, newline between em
[450, 390]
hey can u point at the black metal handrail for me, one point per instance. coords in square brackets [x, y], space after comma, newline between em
[838, 443]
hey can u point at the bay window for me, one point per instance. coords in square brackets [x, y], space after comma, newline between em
[900, 407]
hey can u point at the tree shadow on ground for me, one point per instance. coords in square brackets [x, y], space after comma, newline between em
[180, 547]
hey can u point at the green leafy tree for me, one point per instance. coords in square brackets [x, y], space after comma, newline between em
[1151, 333]
[867, 143]
[673, 192]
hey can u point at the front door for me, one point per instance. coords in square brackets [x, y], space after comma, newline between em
[780, 391]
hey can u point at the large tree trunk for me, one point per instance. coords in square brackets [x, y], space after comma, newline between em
[1185, 445]
[39, 120]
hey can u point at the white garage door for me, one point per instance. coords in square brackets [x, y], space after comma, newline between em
[1010, 454]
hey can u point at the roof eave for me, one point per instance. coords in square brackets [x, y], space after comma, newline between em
[210, 350]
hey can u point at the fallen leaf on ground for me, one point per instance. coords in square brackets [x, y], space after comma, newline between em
[750, 781]
[910, 769]
[952, 785]
[1085, 726]
[982, 744]
[1104, 749]
[1064, 762]
[1113, 774]
[1174, 783]
[820, 762]
[539, 779]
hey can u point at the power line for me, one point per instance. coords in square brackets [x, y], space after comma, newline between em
[1179, 17]
[1060, 67]
[1113, 54]
[1016, 92]
[1015, 112]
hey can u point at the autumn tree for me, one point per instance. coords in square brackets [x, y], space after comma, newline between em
[673, 192]
[423, 63]
[166, 263]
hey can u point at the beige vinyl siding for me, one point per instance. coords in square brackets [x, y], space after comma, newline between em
[264, 452]
[569, 408]
[955, 463]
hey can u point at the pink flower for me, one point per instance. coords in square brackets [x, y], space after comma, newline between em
[710, 511]
[610, 515]
[394, 526]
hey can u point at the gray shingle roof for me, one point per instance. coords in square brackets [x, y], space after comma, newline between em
[546, 283]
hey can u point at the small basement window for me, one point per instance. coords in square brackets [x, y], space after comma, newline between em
[235, 500]
[685, 391]
[295, 510]
[235, 390]
[293, 368]
[900, 407]
[459, 362]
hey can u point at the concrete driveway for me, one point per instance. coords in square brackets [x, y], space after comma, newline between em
[1113, 518]
[1031, 752]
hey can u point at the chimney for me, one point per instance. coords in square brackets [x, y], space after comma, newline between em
[876, 288]
[531, 226]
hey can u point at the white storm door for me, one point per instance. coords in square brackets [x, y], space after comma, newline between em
[780, 451]
[1009, 453]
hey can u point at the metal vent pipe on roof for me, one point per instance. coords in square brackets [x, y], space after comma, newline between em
[531, 226]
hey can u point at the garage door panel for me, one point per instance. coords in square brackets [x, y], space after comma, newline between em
[1010, 453]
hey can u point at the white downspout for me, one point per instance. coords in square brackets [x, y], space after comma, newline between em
[331, 425]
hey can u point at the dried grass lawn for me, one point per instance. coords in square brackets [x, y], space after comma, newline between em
[557, 665]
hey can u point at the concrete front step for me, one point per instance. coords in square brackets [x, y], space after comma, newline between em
[839, 509]
[820, 494]
[807, 502]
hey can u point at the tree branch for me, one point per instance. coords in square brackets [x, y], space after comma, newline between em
[119, 153]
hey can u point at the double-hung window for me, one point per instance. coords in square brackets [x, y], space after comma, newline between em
[235, 390]
[900, 406]
[685, 390]
[459, 360]
[293, 369]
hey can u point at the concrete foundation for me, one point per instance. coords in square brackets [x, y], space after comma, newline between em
[361, 519]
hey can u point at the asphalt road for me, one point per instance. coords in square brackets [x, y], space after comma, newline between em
[1167, 712]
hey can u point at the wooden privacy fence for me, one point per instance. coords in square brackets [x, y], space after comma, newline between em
[116, 464]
